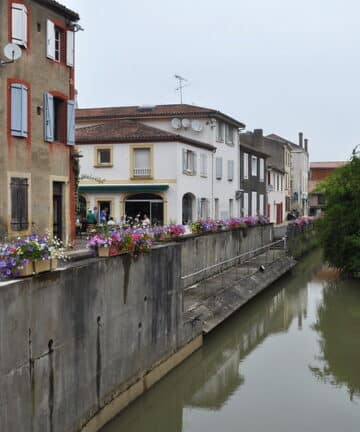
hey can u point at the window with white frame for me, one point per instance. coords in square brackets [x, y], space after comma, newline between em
[262, 169]
[19, 110]
[218, 168]
[219, 131]
[254, 166]
[203, 165]
[103, 156]
[229, 134]
[142, 162]
[246, 166]
[230, 170]
[189, 162]
[204, 208]
[19, 24]
[261, 204]
[245, 204]
[60, 44]
[254, 209]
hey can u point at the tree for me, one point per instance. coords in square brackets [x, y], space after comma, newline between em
[339, 228]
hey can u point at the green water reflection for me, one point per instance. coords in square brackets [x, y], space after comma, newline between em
[289, 361]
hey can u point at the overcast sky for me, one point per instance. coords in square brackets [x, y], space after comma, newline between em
[279, 65]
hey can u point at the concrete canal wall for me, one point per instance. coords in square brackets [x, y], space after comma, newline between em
[78, 344]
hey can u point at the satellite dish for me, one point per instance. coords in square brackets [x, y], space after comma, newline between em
[176, 123]
[196, 125]
[185, 122]
[12, 51]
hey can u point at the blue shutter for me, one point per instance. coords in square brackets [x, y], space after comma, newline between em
[71, 122]
[48, 117]
[19, 110]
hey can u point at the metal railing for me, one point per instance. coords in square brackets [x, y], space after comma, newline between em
[142, 172]
[245, 257]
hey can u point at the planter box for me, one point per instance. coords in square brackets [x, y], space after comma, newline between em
[53, 263]
[41, 266]
[103, 251]
[27, 269]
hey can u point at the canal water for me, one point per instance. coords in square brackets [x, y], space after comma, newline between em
[288, 361]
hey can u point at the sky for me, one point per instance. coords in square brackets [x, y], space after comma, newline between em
[283, 66]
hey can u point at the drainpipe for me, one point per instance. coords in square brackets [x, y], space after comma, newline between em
[212, 185]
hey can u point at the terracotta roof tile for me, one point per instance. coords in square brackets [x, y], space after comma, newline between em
[126, 131]
[156, 111]
[327, 165]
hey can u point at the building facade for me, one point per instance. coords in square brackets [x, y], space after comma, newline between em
[192, 151]
[37, 119]
[253, 169]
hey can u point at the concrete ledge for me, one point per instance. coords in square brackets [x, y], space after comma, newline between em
[113, 408]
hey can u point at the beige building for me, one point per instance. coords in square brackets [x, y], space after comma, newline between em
[37, 118]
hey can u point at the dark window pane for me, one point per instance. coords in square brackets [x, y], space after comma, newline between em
[19, 204]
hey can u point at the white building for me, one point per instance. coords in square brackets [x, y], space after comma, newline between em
[300, 176]
[175, 163]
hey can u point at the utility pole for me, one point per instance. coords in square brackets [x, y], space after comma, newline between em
[181, 85]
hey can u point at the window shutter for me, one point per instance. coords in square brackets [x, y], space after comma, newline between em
[70, 48]
[184, 160]
[19, 110]
[48, 117]
[262, 173]
[71, 123]
[246, 204]
[50, 34]
[203, 165]
[19, 24]
[194, 171]
[218, 168]
[246, 166]
[230, 170]
[19, 204]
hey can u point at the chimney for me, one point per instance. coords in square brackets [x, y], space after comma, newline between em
[258, 132]
[306, 141]
[301, 139]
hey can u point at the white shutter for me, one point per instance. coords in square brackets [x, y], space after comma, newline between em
[230, 170]
[50, 35]
[254, 166]
[48, 117]
[142, 158]
[262, 172]
[261, 205]
[253, 203]
[184, 160]
[19, 24]
[218, 168]
[70, 47]
[203, 165]
[246, 166]
[71, 122]
[194, 167]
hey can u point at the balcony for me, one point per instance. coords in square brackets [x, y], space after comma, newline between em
[142, 172]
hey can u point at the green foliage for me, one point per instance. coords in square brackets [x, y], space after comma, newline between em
[339, 228]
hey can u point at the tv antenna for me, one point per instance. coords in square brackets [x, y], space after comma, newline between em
[181, 85]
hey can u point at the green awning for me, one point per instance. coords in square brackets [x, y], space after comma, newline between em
[123, 188]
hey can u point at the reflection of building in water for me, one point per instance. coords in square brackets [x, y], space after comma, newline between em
[222, 353]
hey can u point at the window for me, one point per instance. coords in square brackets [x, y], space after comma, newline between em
[229, 134]
[103, 156]
[216, 208]
[142, 162]
[59, 119]
[230, 170]
[254, 204]
[19, 114]
[220, 131]
[189, 162]
[231, 208]
[203, 165]
[60, 44]
[262, 169]
[245, 204]
[253, 165]
[19, 24]
[204, 208]
[218, 168]
[261, 204]
[19, 203]
[246, 166]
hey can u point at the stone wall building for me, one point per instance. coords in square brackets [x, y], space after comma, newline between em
[37, 129]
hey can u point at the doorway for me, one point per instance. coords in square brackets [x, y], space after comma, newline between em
[187, 208]
[105, 205]
[58, 210]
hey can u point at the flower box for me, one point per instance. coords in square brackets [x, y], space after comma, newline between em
[103, 251]
[41, 266]
[53, 263]
[26, 269]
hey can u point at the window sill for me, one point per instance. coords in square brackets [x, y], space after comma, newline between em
[141, 177]
[189, 173]
[204, 175]
[219, 140]
[103, 166]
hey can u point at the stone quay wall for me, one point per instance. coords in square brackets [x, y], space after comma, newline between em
[73, 342]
